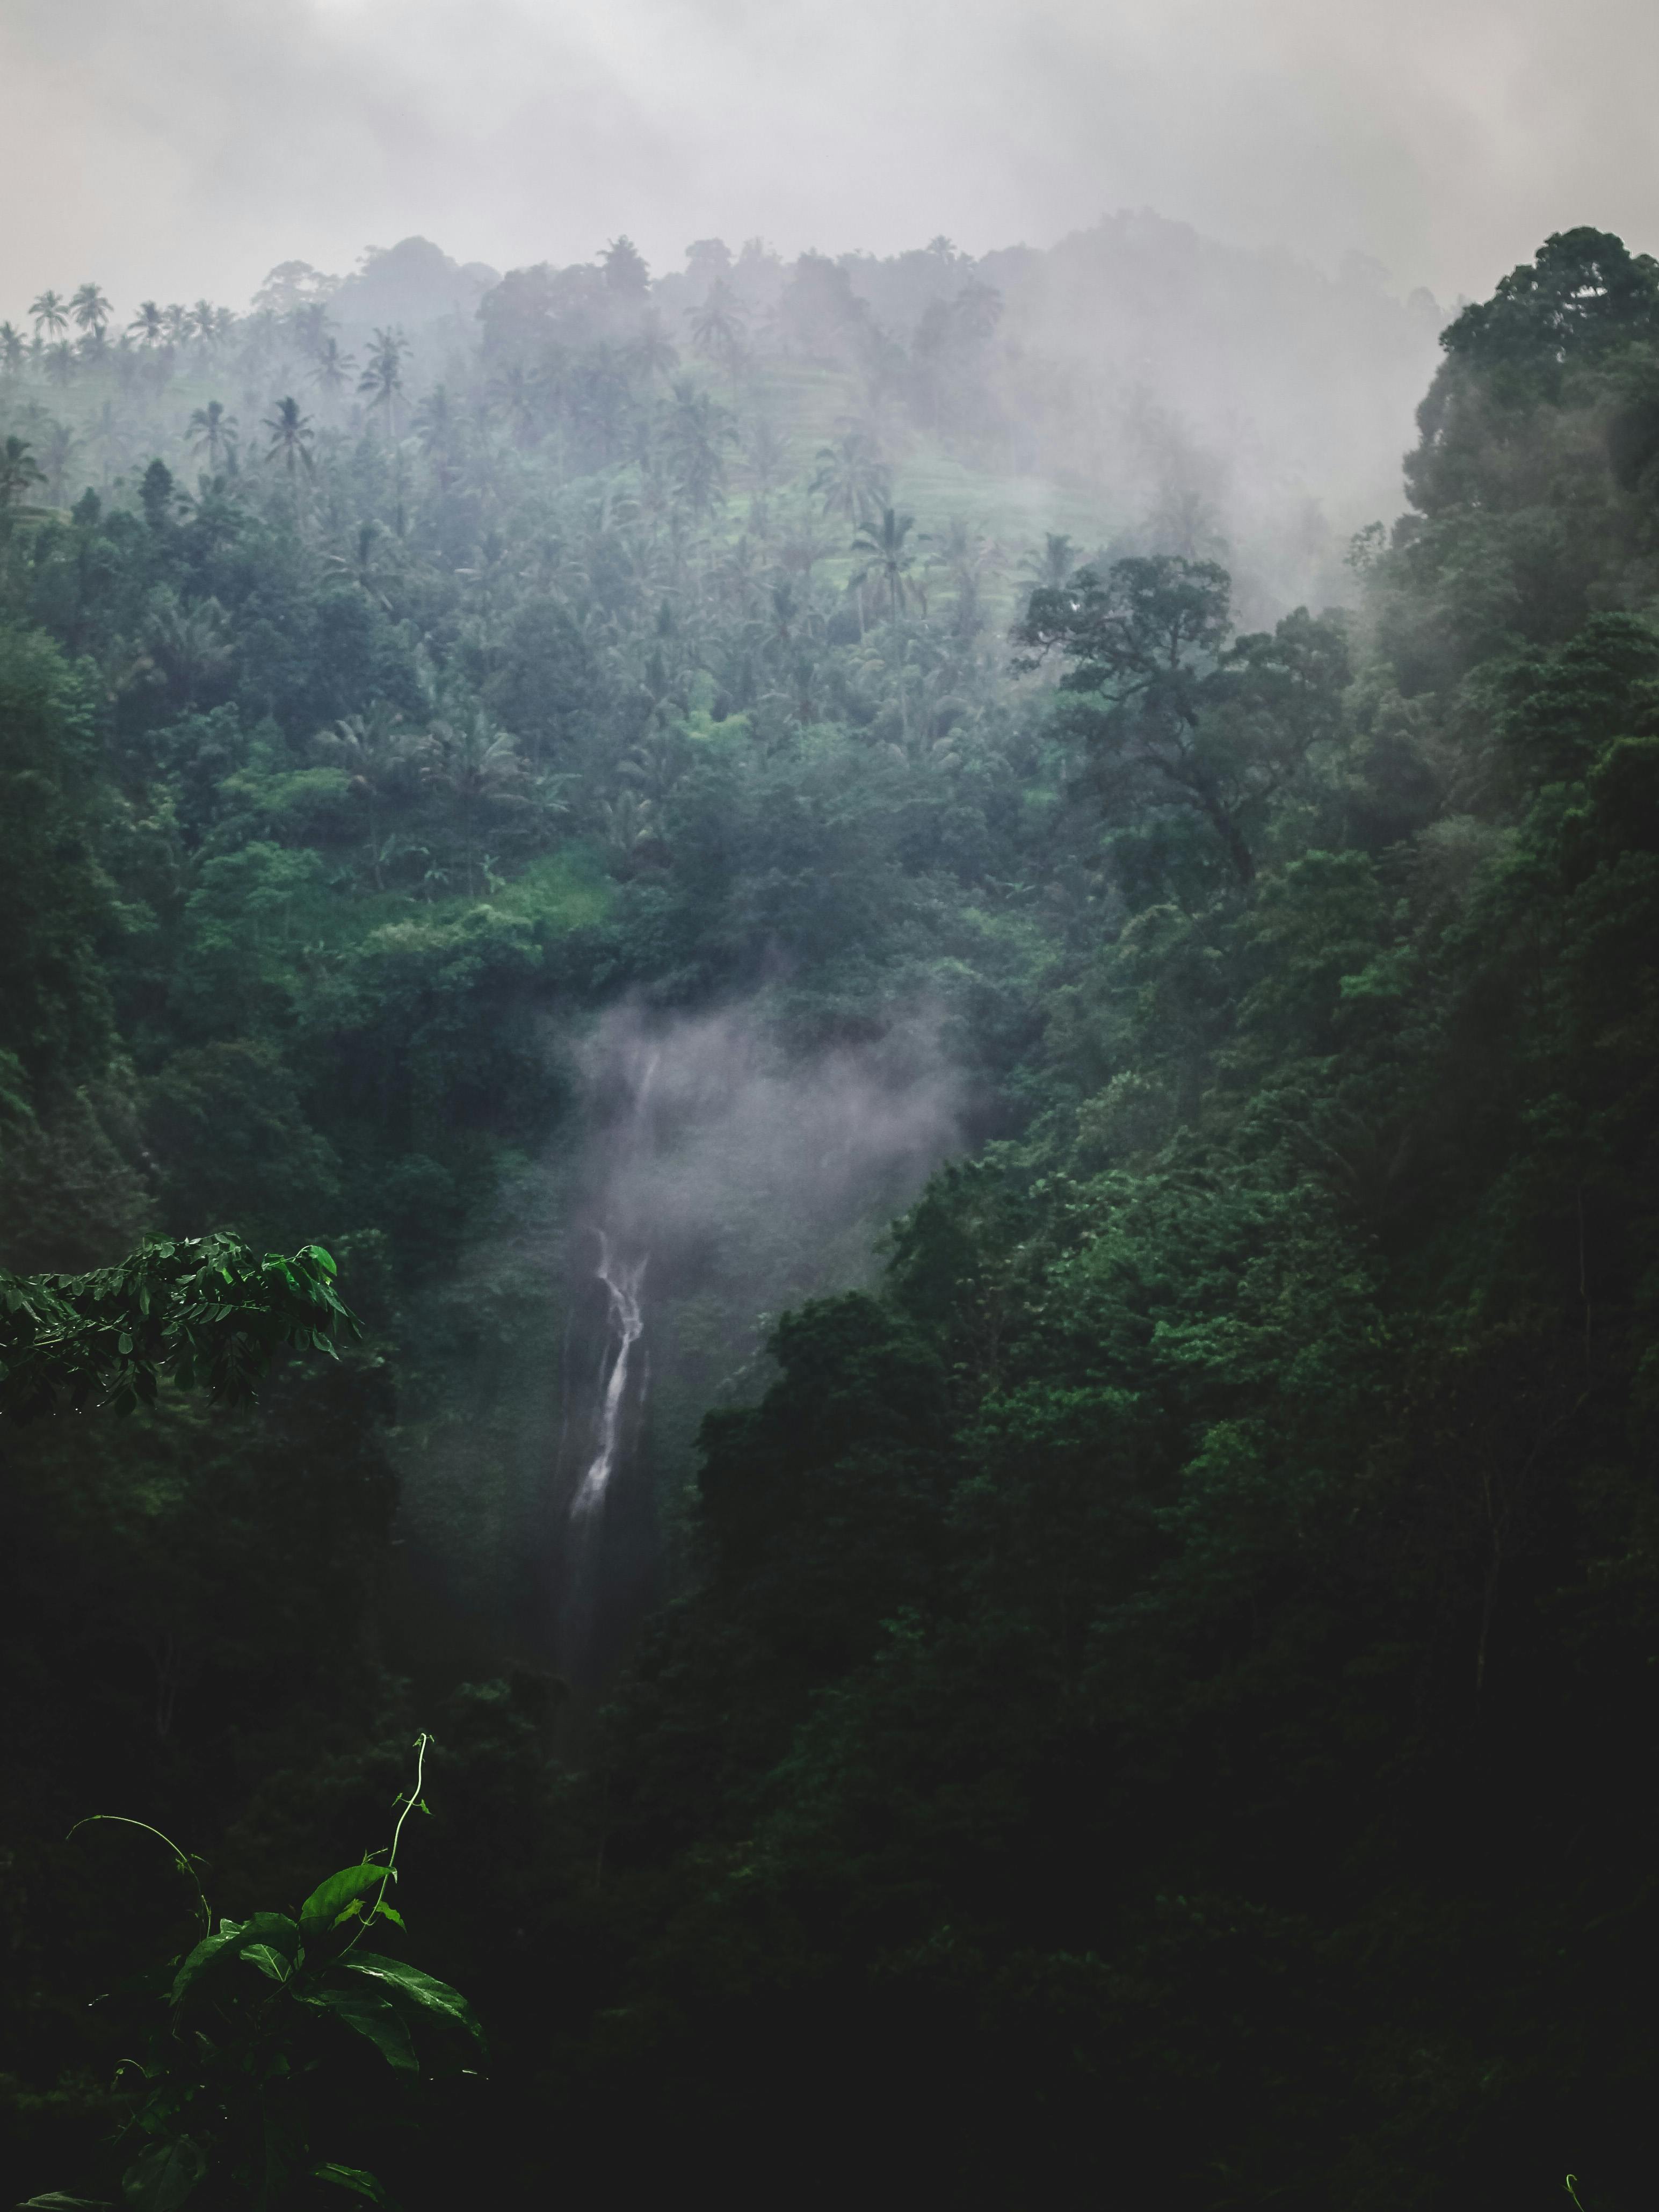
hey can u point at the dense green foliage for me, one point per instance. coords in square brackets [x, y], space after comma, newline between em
[1162, 1697]
[201, 1309]
[240, 2075]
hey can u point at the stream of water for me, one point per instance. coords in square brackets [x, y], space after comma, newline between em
[622, 1284]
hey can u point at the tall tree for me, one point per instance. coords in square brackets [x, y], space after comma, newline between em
[475, 763]
[717, 325]
[49, 314]
[1169, 715]
[213, 432]
[382, 379]
[653, 353]
[292, 438]
[1050, 564]
[626, 277]
[883, 544]
[63, 443]
[19, 472]
[518, 396]
[697, 432]
[90, 309]
[378, 755]
[852, 479]
[331, 369]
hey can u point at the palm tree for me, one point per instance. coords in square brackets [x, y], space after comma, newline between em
[437, 420]
[652, 354]
[331, 369]
[801, 551]
[60, 362]
[191, 644]
[382, 380]
[47, 314]
[517, 395]
[717, 325]
[377, 757]
[12, 343]
[968, 556]
[108, 435]
[19, 472]
[474, 761]
[883, 546]
[655, 767]
[90, 309]
[61, 445]
[695, 431]
[735, 568]
[127, 362]
[766, 450]
[147, 325]
[851, 478]
[213, 432]
[204, 321]
[176, 323]
[629, 822]
[291, 437]
[601, 397]
[359, 563]
[1051, 564]
[310, 324]
[439, 428]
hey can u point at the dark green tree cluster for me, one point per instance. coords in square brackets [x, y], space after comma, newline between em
[342, 776]
[1162, 1702]
[1169, 1708]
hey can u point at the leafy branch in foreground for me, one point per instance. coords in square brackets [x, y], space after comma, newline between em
[249, 2053]
[200, 1311]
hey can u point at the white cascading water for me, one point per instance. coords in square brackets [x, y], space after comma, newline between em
[596, 1560]
[622, 1287]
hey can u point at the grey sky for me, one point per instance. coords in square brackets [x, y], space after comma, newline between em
[180, 147]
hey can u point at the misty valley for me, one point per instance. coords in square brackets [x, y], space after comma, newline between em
[830, 1102]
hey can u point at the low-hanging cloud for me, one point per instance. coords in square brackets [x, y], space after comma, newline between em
[178, 146]
[724, 1156]
[721, 1174]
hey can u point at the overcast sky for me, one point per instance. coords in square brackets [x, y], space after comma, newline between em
[174, 147]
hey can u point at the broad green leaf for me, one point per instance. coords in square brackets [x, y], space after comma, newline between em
[351, 2176]
[323, 1907]
[162, 2176]
[273, 1931]
[423, 1990]
[268, 1961]
[371, 2017]
[197, 1961]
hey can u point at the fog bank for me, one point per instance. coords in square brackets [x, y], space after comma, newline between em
[164, 146]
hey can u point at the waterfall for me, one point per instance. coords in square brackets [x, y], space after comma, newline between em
[605, 1547]
[622, 1285]
[721, 1177]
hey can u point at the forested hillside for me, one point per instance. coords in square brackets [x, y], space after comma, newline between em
[1151, 1695]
